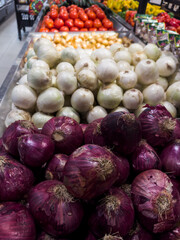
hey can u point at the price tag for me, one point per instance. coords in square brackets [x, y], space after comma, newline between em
[156, 2]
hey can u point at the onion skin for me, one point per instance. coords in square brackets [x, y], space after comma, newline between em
[113, 215]
[90, 171]
[90, 237]
[84, 126]
[93, 134]
[13, 132]
[139, 233]
[55, 167]
[45, 236]
[35, 149]
[156, 201]
[172, 235]
[121, 130]
[16, 179]
[2, 149]
[57, 212]
[16, 222]
[145, 158]
[170, 157]
[66, 133]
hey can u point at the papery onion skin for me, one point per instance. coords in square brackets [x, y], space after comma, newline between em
[16, 179]
[55, 167]
[35, 149]
[145, 158]
[66, 133]
[90, 171]
[45, 236]
[156, 200]
[57, 212]
[16, 222]
[93, 134]
[171, 235]
[170, 157]
[139, 233]
[13, 132]
[122, 130]
[113, 215]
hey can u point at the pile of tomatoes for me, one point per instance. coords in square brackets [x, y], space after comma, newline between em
[74, 18]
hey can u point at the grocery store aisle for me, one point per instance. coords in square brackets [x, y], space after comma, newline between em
[10, 45]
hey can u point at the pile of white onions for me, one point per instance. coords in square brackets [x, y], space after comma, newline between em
[87, 86]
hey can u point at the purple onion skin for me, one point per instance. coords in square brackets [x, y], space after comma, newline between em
[2, 149]
[122, 131]
[54, 208]
[93, 134]
[176, 183]
[13, 132]
[35, 149]
[15, 178]
[83, 126]
[55, 167]
[90, 237]
[139, 233]
[45, 236]
[156, 200]
[170, 157]
[172, 235]
[66, 133]
[113, 215]
[145, 158]
[90, 171]
[16, 222]
[158, 126]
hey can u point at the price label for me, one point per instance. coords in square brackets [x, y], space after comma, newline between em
[156, 2]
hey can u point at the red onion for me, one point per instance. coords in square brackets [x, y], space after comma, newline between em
[66, 133]
[176, 183]
[113, 215]
[93, 135]
[145, 158]
[57, 212]
[15, 179]
[83, 126]
[55, 167]
[1, 146]
[16, 222]
[90, 236]
[13, 132]
[172, 235]
[139, 233]
[158, 126]
[112, 237]
[170, 158]
[121, 130]
[35, 149]
[157, 201]
[45, 236]
[90, 171]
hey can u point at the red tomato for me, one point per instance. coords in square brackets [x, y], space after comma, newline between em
[100, 14]
[88, 24]
[81, 10]
[63, 15]
[48, 14]
[97, 23]
[84, 29]
[73, 14]
[69, 23]
[63, 8]
[83, 16]
[74, 29]
[107, 23]
[64, 29]
[53, 14]
[43, 29]
[49, 23]
[91, 15]
[87, 9]
[54, 30]
[78, 23]
[54, 6]
[46, 17]
[93, 29]
[102, 29]
[58, 23]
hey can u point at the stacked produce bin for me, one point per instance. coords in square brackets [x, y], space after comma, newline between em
[90, 132]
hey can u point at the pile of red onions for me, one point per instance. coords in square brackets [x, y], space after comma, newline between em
[45, 236]
[139, 233]
[171, 235]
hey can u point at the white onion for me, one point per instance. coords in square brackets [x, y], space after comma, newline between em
[175, 77]
[96, 113]
[120, 109]
[39, 119]
[153, 94]
[166, 66]
[69, 112]
[140, 109]
[116, 47]
[88, 51]
[65, 66]
[24, 97]
[42, 41]
[99, 54]
[66, 82]
[30, 62]
[31, 53]
[137, 57]
[123, 66]
[110, 96]
[69, 55]
[135, 47]
[41, 64]
[107, 71]
[147, 71]
[162, 82]
[82, 100]
[170, 107]
[132, 99]
[23, 80]
[50, 100]
[15, 115]
[123, 56]
[152, 51]
[127, 79]
[87, 79]
[85, 63]
[173, 94]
